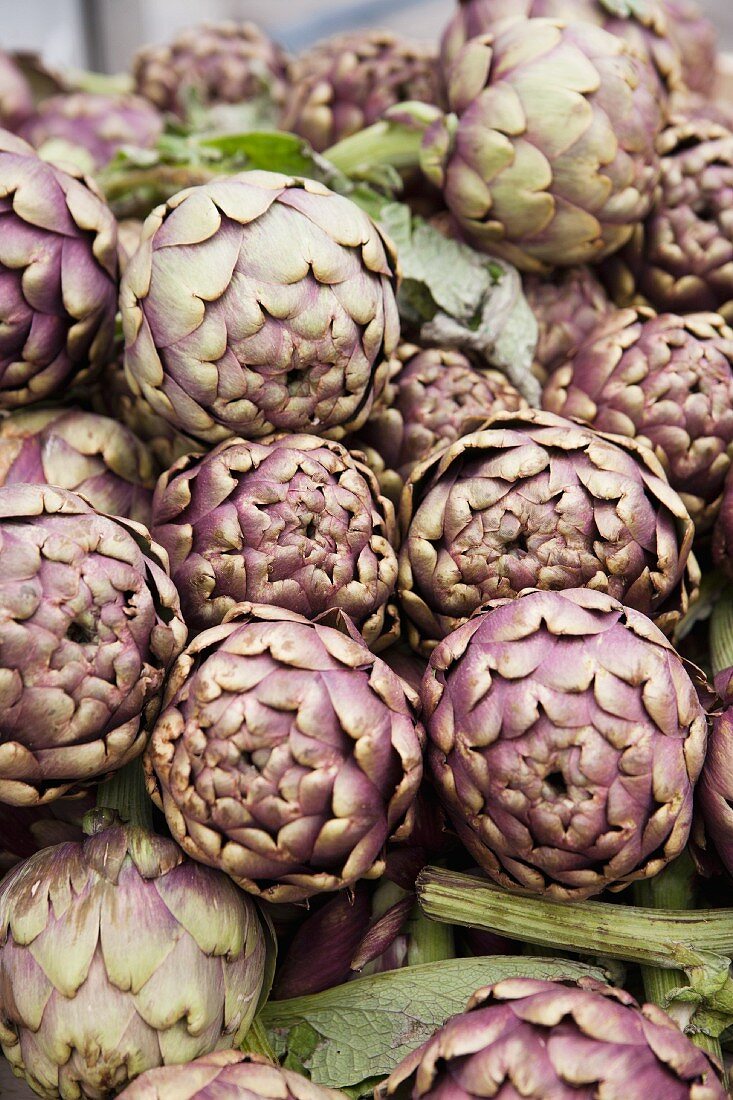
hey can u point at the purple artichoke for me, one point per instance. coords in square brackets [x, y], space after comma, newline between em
[294, 521]
[25, 830]
[695, 37]
[58, 277]
[346, 83]
[89, 623]
[536, 501]
[565, 738]
[667, 382]
[556, 1041]
[213, 63]
[568, 307]
[118, 954]
[436, 398]
[259, 303]
[16, 97]
[549, 158]
[715, 791]
[227, 1073]
[88, 454]
[286, 753]
[723, 532]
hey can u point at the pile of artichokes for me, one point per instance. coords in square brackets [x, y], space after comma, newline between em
[366, 564]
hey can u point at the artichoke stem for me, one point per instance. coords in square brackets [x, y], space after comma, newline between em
[721, 632]
[429, 940]
[385, 143]
[125, 793]
[257, 1041]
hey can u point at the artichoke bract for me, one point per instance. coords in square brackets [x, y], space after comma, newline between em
[122, 947]
[549, 158]
[293, 521]
[99, 123]
[88, 454]
[58, 276]
[259, 303]
[523, 1037]
[565, 738]
[346, 83]
[286, 753]
[536, 501]
[715, 790]
[24, 830]
[568, 307]
[227, 1073]
[667, 382]
[89, 623]
[213, 63]
[16, 97]
[436, 397]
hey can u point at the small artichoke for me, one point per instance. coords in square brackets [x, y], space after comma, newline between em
[227, 1073]
[286, 753]
[259, 303]
[715, 790]
[530, 1038]
[118, 954]
[436, 397]
[16, 96]
[667, 382]
[24, 830]
[346, 83]
[58, 277]
[535, 501]
[80, 451]
[89, 623]
[210, 64]
[549, 158]
[293, 521]
[565, 738]
[568, 307]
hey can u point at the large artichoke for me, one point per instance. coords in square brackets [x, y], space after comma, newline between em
[549, 158]
[436, 397]
[565, 740]
[24, 830]
[58, 276]
[259, 303]
[536, 501]
[213, 63]
[16, 97]
[556, 1041]
[227, 1073]
[715, 791]
[667, 382]
[99, 123]
[286, 753]
[89, 623]
[293, 521]
[347, 82]
[92, 455]
[568, 307]
[117, 955]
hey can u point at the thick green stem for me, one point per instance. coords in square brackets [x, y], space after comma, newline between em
[429, 940]
[125, 793]
[721, 632]
[257, 1041]
[393, 143]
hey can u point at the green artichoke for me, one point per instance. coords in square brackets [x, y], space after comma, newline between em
[227, 1073]
[118, 954]
[568, 307]
[715, 792]
[293, 521]
[58, 277]
[527, 1038]
[259, 303]
[89, 623]
[667, 382]
[286, 753]
[535, 501]
[565, 738]
[80, 451]
[16, 97]
[549, 158]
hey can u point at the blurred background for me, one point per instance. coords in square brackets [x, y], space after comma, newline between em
[103, 34]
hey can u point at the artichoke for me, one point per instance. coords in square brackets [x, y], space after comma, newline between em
[693, 34]
[227, 1073]
[549, 158]
[118, 954]
[523, 1037]
[294, 521]
[667, 382]
[88, 454]
[565, 738]
[259, 303]
[436, 397]
[568, 307]
[16, 96]
[715, 790]
[58, 277]
[346, 83]
[723, 531]
[213, 63]
[24, 830]
[536, 501]
[99, 123]
[286, 753]
[89, 623]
